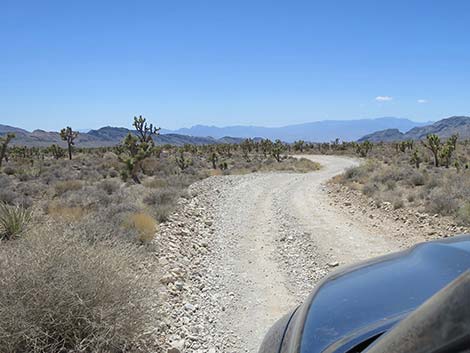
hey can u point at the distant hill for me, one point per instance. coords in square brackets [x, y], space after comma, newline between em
[104, 137]
[5, 129]
[443, 128]
[319, 131]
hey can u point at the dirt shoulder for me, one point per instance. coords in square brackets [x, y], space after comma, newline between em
[406, 225]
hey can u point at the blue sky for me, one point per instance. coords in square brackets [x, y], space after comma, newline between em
[93, 63]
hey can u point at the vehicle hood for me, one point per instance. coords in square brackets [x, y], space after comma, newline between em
[357, 303]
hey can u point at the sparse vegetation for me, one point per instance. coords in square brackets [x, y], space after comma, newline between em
[432, 180]
[61, 293]
[74, 278]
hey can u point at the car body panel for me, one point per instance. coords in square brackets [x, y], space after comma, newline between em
[361, 302]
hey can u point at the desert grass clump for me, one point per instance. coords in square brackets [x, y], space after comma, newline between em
[13, 221]
[61, 293]
[304, 165]
[155, 183]
[61, 187]
[61, 212]
[145, 225]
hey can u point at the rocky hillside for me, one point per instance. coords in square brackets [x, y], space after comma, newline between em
[443, 128]
[103, 137]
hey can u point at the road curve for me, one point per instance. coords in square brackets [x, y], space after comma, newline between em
[276, 235]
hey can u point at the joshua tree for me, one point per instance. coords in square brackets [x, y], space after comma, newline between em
[452, 141]
[299, 145]
[416, 159]
[364, 148]
[145, 131]
[56, 151]
[213, 159]
[247, 147]
[446, 153]
[266, 146]
[68, 135]
[181, 161]
[138, 148]
[433, 143]
[277, 149]
[4, 141]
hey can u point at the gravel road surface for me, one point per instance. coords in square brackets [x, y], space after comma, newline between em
[253, 247]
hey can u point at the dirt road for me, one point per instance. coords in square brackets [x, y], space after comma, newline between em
[276, 235]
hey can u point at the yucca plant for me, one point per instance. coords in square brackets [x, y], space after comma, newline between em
[13, 220]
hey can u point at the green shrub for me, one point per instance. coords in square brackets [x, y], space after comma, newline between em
[13, 220]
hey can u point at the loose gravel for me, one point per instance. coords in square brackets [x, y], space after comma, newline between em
[243, 250]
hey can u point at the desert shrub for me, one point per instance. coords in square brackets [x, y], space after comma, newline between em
[22, 176]
[162, 212]
[442, 201]
[109, 186]
[90, 197]
[113, 173]
[144, 224]
[304, 165]
[4, 180]
[61, 187]
[360, 172]
[417, 179]
[59, 293]
[398, 203]
[29, 189]
[433, 181]
[24, 201]
[369, 188]
[463, 213]
[390, 184]
[8, 196]
[13, 220]
[166, 196]
[9, 170]
[155, 183]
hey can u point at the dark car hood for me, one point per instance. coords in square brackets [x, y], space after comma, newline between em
[359, 302]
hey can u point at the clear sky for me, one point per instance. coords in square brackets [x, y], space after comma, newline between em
[93, 63]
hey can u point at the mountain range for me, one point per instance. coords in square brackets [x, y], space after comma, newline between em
[318, 131]
[443, 128]
[374, 130]
[103, 137]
